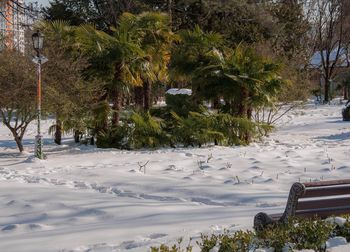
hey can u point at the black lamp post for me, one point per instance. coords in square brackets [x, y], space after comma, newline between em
[38, 43]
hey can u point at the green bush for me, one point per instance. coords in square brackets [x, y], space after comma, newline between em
[181, 104]
[310, 234]
[147, 132]
[295, 234]
[138, 131]
[274, 236]
[343, 231]
[116, 137]
[194, 130]
[175, 248]
[208, 242]
[142, 130]
[299, 234]
[202, 128]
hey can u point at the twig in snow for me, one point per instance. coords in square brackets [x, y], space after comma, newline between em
[143, 166]
[209, 157]
[238, 180]
[200, 164]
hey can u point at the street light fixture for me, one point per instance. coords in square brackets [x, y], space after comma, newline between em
[38, 43]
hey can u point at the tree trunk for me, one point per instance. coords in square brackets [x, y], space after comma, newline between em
[346, 92]
[117, 98]
[92, 140]
[243, 112]
[58, 132]
[326, 90]
[147, 95]
[101, 126]
[19, 143]
[242, 106]
[248, 135]
[170, 12]
[216, 103]
[117, 95]
[76, 136]
[138, 96]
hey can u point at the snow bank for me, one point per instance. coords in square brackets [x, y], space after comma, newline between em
[177, 91]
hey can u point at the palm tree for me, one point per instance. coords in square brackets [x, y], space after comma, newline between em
[156, 41]
[113, 59]
[153, 31]
[190, 53]
[242, 78]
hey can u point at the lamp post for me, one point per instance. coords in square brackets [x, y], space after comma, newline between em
[38, 42]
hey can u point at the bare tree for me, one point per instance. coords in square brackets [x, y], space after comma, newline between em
[17, 94]
[331, 38]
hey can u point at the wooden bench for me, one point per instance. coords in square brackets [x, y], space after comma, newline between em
[307, 200]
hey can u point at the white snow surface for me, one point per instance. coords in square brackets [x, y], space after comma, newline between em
[87, 199]
[177, 91]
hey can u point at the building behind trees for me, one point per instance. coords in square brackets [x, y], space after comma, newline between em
[15, 17]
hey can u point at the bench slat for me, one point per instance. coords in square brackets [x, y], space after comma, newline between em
[327, 183]
[323, 203]
[323, 213]
[326, 191]
[276, 216]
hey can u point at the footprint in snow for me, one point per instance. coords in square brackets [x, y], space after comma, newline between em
[10, 227]
[157, 235]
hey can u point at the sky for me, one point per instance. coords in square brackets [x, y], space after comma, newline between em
[43, 2]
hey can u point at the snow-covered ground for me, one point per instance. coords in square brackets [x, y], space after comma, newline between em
[87, 199]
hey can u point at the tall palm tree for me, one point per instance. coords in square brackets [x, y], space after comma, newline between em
[155, 37]
[113, 59]
[243, 78]
[156, 43]
[190, 52]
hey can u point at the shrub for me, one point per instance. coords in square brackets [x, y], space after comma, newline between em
[240, 241]
[195, 130]
[274, 236]
[202, 128]
[116, 137]
[181, 104]
[346, 112]
[295, 234]
[175, 248]
[310, 234]
[343, 230]
[142, 130]
[300, 234]
[147, 131]
[208, 242]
